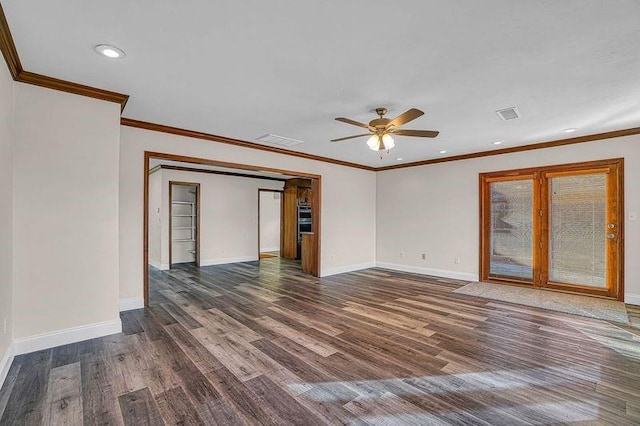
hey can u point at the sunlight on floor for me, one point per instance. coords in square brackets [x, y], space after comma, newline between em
[620, 340]
[465, 382]
[391, 401]
[538, 414]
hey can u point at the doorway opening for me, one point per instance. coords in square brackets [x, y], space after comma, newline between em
[270, 223]
[215, 229]
[184, 223]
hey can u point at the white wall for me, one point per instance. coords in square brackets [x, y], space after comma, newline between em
[155, 220]
[228, 216]
[270, 206]
[434, 209]
[6, 216]
[69, 189]
[348, 200]
[65, 213]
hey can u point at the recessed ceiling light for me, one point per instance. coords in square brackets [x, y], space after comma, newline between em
[497, 142]
[110, 52]
[570, 130]
[399, 159]
[444, 151]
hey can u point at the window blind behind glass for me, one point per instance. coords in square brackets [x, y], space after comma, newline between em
[511, 232]
[578, 230]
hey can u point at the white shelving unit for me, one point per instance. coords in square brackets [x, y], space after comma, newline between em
[182, 230]
[191, 214]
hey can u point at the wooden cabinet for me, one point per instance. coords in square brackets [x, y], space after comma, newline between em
[290, 223]
[297, 194]
[309, 259]
[304, 195]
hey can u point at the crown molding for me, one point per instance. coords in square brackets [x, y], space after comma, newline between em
[237, 142]
[530, 147]
[75, 88]
[521, 148]
[11, 57]
[8, 48]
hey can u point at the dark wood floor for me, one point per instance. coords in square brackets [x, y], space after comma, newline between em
[263, 344]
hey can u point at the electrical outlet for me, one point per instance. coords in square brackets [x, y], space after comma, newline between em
[457, 260]
[4, 326]
[402, 255]
[424, 256]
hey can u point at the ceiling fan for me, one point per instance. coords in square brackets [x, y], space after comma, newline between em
[381, 129]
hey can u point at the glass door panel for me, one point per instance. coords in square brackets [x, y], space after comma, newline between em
[578, 230]
[557, 227]
[511, 226]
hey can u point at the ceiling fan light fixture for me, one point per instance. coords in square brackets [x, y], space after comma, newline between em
[388, 141]
[380, 129]
[379, 143]
[373, 142]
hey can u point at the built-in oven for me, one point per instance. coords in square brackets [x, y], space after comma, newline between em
[305, 227]
[304, 214]
[304, 220]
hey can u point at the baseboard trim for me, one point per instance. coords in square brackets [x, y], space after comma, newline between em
[161, 266]
[344, 269]
[64, 337]
[465, 276]
[263, 249]
[211, 262]
[5, 363]
[632, 299]
[131, 304]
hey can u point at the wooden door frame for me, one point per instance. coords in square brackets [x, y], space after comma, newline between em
[316, 201]
[485, 223]
[197, 221]
[615, 265]
[540, 225]
[281, 191]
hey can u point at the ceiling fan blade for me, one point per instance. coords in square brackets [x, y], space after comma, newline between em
[350, 137]
[416, 133]
[352, 122]
[405, 117]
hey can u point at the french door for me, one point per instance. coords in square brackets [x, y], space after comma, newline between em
[557, 227]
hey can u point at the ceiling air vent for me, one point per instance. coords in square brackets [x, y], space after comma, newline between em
[508, 113]
[278, 140]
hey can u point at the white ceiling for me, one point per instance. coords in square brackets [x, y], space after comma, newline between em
[245, 68]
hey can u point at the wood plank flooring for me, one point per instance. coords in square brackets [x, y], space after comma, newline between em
[261, 343]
